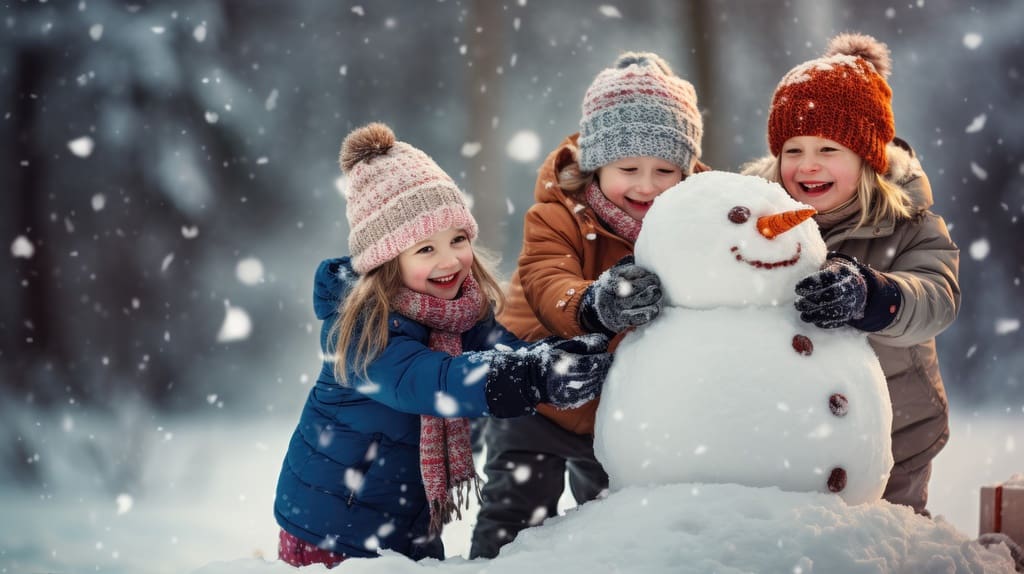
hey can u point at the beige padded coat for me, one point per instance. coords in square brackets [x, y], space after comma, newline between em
[919, 256]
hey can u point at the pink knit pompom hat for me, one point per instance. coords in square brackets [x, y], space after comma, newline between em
[396, 197]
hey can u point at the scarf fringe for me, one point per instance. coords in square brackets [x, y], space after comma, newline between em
[444, 511]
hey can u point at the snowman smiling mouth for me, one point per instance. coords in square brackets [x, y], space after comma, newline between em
[767, 264]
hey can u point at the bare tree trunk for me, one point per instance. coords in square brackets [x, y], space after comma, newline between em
[34, 332]
[702, 33]
[485, 177]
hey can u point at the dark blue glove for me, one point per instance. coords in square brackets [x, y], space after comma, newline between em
[625, 295]
[563, 372]
[846, 292]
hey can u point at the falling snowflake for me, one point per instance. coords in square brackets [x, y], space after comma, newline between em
[609, 11]
[82, 147]
[236, 326]
[539, 514]
[445, 404]
[353, 479]
[22, 247]
[972, 40]
[124, 503]
[249, 271]
[1006, 326]
[477, 374]
[368, 388]
[524, 146]
[979, 249]
[470, 149]
[977, 124]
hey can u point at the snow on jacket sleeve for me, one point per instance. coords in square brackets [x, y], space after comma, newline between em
[926, 271]
[410, 377]
[331, 282]
[550, 268]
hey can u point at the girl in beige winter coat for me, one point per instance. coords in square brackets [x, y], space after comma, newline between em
[892, 270]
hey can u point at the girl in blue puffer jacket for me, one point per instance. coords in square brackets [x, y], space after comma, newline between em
[381, 457]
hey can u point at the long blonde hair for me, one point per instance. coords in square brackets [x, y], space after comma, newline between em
[879, 198]
[365, 312]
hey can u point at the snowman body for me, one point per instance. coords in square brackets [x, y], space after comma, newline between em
[728, 385]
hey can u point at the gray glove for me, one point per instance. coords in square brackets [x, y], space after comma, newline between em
[624, 296]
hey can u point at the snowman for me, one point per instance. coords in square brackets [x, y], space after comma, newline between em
[727, 385]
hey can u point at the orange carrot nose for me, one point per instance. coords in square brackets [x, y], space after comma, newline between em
[771, 226]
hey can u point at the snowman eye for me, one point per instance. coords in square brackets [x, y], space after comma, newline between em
[739, 214]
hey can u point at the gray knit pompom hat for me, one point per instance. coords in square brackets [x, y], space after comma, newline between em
[638, 108]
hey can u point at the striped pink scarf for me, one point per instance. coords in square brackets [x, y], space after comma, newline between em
[446, 452]
[621, 223]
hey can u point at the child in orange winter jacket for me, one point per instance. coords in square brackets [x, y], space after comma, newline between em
[640, 134]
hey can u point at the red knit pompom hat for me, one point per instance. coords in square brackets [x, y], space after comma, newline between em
[842, 96]
[396, 197]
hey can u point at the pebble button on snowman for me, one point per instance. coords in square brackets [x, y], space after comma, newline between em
[727, 385]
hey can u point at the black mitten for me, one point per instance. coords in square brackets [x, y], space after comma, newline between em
[626, 295]
[846, 292]
[563, 372]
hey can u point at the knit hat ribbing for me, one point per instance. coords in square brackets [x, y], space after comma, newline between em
[396, 197]
[842, 96]
[640, 108]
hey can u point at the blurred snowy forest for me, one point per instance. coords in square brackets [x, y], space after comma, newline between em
[170, 177]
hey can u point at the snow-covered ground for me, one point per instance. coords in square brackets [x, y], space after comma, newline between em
[202, 502]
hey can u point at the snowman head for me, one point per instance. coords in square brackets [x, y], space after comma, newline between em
[722, 239]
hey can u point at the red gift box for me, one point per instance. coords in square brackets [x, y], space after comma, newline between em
[1002, 508]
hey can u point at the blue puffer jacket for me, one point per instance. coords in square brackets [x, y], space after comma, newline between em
[351, 478]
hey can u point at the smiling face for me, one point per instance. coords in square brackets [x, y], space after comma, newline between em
[819, 172]
[632, 183]
[438, 265]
